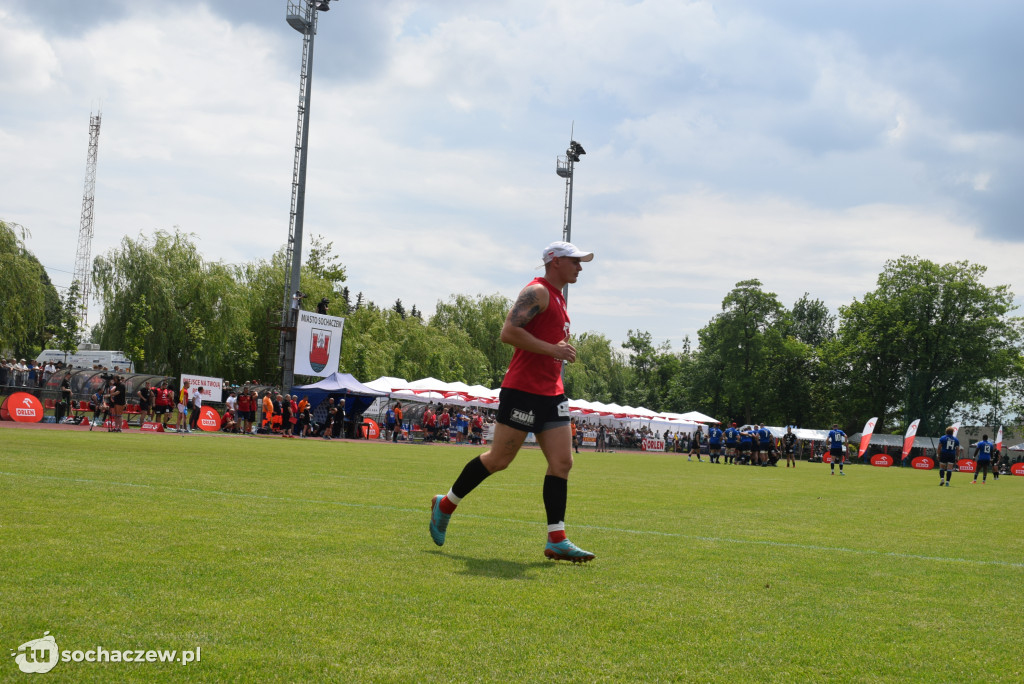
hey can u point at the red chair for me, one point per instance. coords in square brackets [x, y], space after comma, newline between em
[50, 404]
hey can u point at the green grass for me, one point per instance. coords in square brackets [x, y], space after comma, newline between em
[292, 560]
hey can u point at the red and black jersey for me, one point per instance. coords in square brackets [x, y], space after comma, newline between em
[537, 373]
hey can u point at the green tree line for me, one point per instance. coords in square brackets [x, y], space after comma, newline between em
[931, 341]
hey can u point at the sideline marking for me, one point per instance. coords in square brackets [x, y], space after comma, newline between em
[621, 530]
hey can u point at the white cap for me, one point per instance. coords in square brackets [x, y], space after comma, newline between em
[564, 249]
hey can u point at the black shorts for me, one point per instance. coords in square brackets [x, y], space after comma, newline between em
[947, 458]
[836, 453]
[532, 412]
[745, 447]
[160, 410]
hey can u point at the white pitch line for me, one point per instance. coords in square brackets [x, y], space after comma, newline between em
[620, 530]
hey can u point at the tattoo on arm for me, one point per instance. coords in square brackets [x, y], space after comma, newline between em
[525, 308]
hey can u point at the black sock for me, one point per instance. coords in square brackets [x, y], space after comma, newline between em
[556, 491]
[949, 474]
[473, 474]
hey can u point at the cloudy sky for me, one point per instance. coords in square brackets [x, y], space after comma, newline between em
[799, 142]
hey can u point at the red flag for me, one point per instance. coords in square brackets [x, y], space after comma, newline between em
[999, 439]
[908, 441]
[956, 429]
[865, 439]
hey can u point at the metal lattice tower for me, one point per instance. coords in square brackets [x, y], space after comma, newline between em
[564, 167]
[301, 16]
[83, 259]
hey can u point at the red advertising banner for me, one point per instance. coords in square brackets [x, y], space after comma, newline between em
[21, 407]
[1017, 469]
[881, 460]
[370, 429]
[110, 424]
[908, 441]
[653, 445]
[965, 465]
[209, 419]
[152, 427]
[869, 427]
[922, 463]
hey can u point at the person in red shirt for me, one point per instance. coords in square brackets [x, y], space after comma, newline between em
[244, 412]
[532, 399]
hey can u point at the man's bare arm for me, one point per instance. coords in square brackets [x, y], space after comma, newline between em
[531, 301]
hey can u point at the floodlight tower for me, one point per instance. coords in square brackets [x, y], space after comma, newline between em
[301, 16]
[564, 167]
[83, 258]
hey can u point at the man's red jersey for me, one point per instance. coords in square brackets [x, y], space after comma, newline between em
[537, 373]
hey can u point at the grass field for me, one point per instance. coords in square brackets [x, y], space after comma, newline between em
[294, 560]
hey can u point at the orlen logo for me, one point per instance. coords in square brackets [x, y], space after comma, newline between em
[37, 656]
[208, 423]
[922, 463]
[881, 460]
[22, 407]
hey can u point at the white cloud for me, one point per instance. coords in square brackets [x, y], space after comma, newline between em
[724, 142]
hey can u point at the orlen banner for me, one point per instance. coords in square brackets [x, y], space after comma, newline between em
[869, 427]
[653, 445]
[212, 387]
[370, 428]
[1017, 469]
[922, 463]
[908, 441]
[881, 460]
[965, 465]
[317, 344]
[22, 408]
[209, 419]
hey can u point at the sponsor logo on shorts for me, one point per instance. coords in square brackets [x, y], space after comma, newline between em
[563, 408]
[524, 417]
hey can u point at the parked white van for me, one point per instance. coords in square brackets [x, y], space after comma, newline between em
[87, 356]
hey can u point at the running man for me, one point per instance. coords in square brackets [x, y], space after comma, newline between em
[532, 399]
[836, 440]
[983, 458]
[949, 449]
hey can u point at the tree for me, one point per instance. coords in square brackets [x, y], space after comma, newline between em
[27, 309]
[136, 331]
[931, 341]
[199, 307]
[481, 319]
[399, 309]
[600, 372]
[66, 333]
[736, 346]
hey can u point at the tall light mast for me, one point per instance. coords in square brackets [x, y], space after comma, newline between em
[564, 167]
[301, 16]
[83, 258]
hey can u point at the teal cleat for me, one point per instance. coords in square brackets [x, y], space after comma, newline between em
[566, 550]
[438, 520]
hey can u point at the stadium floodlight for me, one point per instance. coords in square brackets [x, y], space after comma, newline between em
[301, 16]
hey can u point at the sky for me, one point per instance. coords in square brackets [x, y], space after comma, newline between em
[799, 142]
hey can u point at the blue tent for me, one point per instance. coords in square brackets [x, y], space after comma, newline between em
[341, 386]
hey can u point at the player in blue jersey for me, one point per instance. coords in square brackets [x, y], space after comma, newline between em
[764, 444]
[949, 450]
[732, 438]
[983, 451]
[836, 440]
[714, 443]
